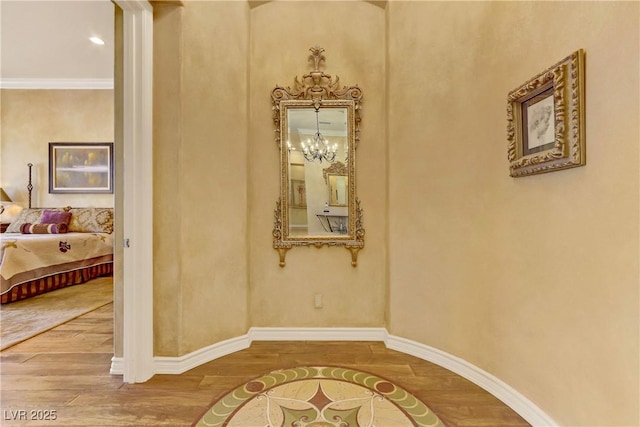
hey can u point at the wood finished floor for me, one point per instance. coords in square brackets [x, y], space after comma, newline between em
[66, 370]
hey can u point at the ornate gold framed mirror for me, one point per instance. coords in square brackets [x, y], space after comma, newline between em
[317, 126]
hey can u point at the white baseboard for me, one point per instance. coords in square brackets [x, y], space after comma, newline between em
[510, 397]
[317, 334]
[117, 366]
[181, 364]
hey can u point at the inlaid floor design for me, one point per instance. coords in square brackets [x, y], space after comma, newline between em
[61, 378]
[319, 396]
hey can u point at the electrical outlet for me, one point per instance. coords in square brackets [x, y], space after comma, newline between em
[317, 301]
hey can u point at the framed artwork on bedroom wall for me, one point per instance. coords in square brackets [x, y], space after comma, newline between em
[81, 167]
[545, 120]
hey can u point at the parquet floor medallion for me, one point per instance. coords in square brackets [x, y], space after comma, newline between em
[318, 396]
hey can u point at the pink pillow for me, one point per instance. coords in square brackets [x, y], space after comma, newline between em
[56, 217]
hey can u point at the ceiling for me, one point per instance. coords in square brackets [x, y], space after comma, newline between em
[332, 121]
[47, 43]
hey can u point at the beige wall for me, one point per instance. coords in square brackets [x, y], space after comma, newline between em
[118, 265]
[354, 40]
[533, 279]
[217, 165]
[200, 173]
[33, 118]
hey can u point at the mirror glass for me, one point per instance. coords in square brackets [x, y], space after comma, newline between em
[317, 157]
[338, 190]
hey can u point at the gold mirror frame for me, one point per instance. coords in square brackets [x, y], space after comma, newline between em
[317, 90]
[336, 170]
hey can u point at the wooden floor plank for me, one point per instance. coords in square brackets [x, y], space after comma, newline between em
[66, 370]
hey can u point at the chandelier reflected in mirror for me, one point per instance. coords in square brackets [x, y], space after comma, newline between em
[318, 147]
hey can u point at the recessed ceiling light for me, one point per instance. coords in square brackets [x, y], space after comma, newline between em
[96, 40]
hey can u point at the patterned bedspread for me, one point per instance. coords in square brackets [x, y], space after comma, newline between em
[25, 257]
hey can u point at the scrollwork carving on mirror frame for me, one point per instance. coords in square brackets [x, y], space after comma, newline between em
[316, 86]
[337, 168]
[317, 89]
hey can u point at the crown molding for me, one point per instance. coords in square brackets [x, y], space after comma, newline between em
[56, 83]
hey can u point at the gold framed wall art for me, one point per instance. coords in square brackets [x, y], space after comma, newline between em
[545, 120]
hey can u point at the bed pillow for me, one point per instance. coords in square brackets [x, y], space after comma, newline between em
[29, 215]
[91, 220]
[28, 228]
[50, 216]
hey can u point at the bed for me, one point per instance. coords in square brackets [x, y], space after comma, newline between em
[36, 258]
